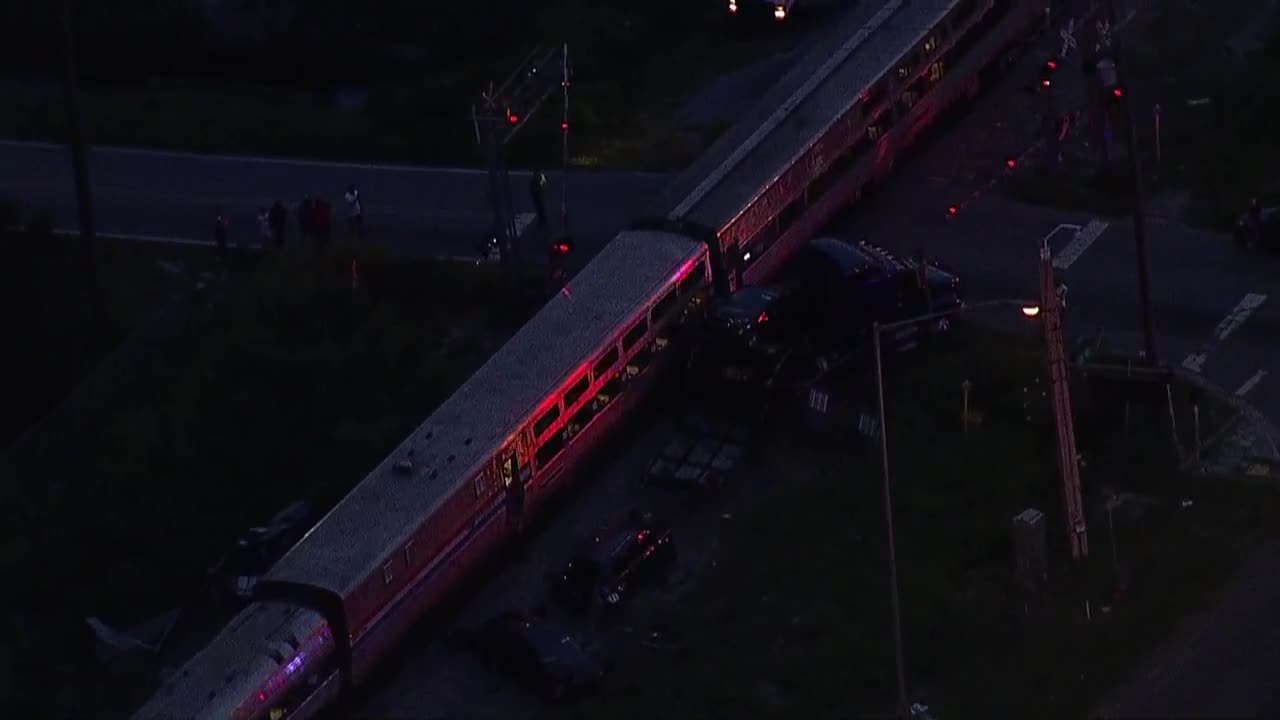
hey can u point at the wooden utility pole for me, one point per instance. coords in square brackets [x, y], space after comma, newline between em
[1060, 387]
[79, 155]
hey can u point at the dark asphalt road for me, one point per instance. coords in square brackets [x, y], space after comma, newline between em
[435, 211]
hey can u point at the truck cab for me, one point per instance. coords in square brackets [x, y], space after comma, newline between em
[823, 305]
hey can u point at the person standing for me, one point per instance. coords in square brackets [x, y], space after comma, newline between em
[306, 217]
[264, 228]
[538, 191]
[355, 213]
[277, 218]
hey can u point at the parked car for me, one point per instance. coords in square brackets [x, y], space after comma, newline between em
[541, 655]
[608, 568]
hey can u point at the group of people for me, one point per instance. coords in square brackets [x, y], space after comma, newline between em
[314, 217]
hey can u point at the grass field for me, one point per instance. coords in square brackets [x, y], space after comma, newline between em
[52, 340]
[794, 620]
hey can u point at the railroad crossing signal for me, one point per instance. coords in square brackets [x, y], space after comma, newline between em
[1068, 35]
[1104, 34]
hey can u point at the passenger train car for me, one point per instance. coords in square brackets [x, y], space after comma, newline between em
[488, 459]
[834, 124]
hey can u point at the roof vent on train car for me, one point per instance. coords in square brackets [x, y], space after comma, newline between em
[451, 458]
[403, 467]
[467, 441]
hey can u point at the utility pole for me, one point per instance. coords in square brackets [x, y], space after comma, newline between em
[501, 113]
[1109, 44]
[564, 142]
[1068, 465]
[79, 157]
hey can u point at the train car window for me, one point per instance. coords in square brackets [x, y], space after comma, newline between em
[639, 362]
[546, 421]
[908, 98]
[635, 334]
[582, 418]
[548, 450]
[605, 364]
[696, 278]
[936, 71]
[933, 42]
[663, 306]
[609, 392]
[572, 394]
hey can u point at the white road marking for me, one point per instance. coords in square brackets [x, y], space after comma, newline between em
[1232, 322]
[1237, 316]
[138, 238]
[1251, 383]
[267, 160]
[1084, 238]
[523, 221]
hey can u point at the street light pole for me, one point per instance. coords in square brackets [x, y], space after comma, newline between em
[904, 708]
[1139, 194]
[899, 662]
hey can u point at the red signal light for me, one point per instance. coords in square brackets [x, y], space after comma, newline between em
[1011, 163]
[1117, 92]
[952, 210]
[1052, 64]
[1044, 82]
[564, 126]
[561, 248]
[512, 117]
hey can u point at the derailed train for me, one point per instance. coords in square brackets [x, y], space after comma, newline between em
[488, 459]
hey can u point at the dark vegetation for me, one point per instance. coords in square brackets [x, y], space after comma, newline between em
[265, 76]
[52, 336]
[1226, 55]
[793, 619]
[283, 384]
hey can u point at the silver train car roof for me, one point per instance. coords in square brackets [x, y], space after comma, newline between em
[452, 445]
[793, 114]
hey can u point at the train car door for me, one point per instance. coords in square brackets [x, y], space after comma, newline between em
[513, 465]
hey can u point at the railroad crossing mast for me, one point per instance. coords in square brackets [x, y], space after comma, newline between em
[500, 114]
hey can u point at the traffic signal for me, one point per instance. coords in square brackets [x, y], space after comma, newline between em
[953, 210]
[512, 118]
[1046, 72]
[1011, 162]
[561, 247]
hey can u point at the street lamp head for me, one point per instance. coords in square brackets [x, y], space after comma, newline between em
[1031, 310]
